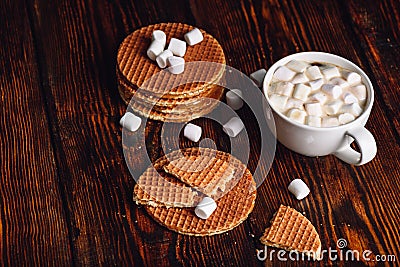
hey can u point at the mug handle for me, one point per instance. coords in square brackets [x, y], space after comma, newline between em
[366, 143]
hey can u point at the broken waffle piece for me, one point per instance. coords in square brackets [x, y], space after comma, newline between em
[291, 231]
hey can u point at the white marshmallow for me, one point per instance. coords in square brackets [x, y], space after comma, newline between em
[319, 96]
[234, 99]
[354, 109]
[284, 74]
[352, 78]
[313, 108]
[294, 103]
[177, 47]
[233, 127]
[297, 115]
[205, 208]
[330, 73]
[156, 48]
[162, 58]
[316, 84]
[278, 101]
[329, 122]
[340, 82]
[192, 132]
[297, 66]
[313, 121]
[176, 64]
[194, 37]
[301, 91]
[283, 88]
[300, 78]
[258, 77]
[346, 118]
[333, 107]
[349, 98]
[299, 189]
[333, 90]
[360, 91]
[130, 121]
[159, 36]
[313, 73]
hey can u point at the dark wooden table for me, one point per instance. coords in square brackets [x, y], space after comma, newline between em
[66, 193]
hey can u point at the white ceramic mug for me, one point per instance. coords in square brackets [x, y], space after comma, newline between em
[315, 141]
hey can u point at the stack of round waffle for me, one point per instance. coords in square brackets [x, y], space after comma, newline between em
[170, 199]
[160, 95]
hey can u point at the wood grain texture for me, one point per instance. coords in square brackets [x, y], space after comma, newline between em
[66, 193]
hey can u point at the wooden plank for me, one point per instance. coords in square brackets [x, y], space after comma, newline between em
[33, 227]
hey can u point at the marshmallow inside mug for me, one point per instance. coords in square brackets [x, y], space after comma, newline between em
[299, 129]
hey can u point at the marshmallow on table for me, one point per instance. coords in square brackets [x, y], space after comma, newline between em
[300, 78]
[176, 64]
[161, 59]
[278, 101]
[234, 99]
[333, 107]
[297, 115]
[329, 122]
[301, 91]
[319, 96]
[177, 47]
[353, 108]
[349, 98]
[313, 121]
[192, 132]
[352, 77]
[299, 189]
[284, 74]
[346, 118]
[360, 91]
[297, 66]
[233, 127]
[193, 37]
[340, 82]
[156, 48]
[331, 72]
[313, 73]
[316, 84]
[258, 77]
[283, 88]
[159, 36]
[333, 90]
[205, 208]
[130, 122]
[294, 103]
[313, 108]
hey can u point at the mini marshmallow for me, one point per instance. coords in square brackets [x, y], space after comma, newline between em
[352, 78]
[297, 115]
[340, 82]
[319, 96]
[297, 66]
[346, 118]
[156, 48]
[315, 85]
[313, 73]
[192, 132]
[354, 109]
[162, 58]
[301, 91]
[294, 103]
[177, 47]
[331, 72]
[176, 64]
[313, 108]
[333, 90]
[333, 107]
[130, 121]
[234, 99]
[299, 189]
[300, 78]
[313, 121]
[205, 208]
[349, 98]
[278, 101]
[329, 122]
[258, 77]
[360, 91]
[284, 74]
[193, 37]
[283, 88]
[233, 127]
[159, 36]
